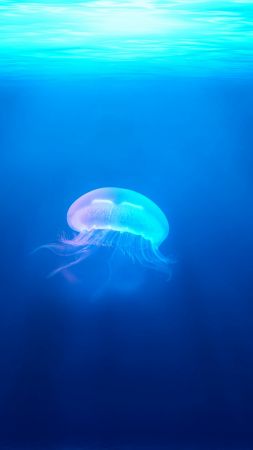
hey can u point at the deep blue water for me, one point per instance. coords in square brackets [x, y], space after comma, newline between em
[150, 362]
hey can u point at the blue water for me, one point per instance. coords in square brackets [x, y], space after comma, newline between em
[155, 97]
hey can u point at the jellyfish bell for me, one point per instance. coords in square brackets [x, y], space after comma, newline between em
[119, 210]
[117, 218]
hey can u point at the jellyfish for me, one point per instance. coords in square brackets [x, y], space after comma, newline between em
[116, 218]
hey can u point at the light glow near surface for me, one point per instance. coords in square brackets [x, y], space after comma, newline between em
[98, 35]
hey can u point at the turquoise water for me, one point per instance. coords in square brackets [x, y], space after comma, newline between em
[203, 37]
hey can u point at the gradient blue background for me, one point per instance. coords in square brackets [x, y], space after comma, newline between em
[170, 363]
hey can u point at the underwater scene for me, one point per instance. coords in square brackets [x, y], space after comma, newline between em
[126, 159]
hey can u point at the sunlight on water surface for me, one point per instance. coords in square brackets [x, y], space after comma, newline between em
[142, 35]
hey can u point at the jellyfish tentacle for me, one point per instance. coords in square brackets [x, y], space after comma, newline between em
[135, 247]
[67, 266]
[141, 250]
[151, 257]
